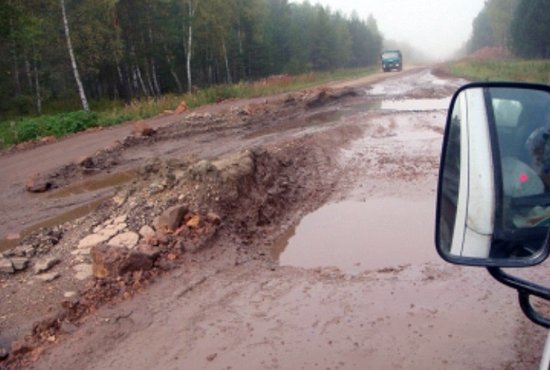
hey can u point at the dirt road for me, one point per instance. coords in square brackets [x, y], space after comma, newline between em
[323, 258]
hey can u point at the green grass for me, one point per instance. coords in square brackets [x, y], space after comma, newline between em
[537, 71]
[108, 113]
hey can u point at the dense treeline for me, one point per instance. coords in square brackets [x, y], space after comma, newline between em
[522, 26]
[127, 49]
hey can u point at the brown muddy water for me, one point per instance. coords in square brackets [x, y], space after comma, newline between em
[95, 184]
[415, 105]
[71, 215]
[358, 236]
[88, 186]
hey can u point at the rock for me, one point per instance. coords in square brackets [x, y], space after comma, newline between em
[86, 162]
[54, 236]
[120, 219]
[6, 267]
[71, 294]
[156, 188]
[213, 218]
[108, 232]
[68, 327]
[120, 198]
[128, 239]
[142, 129]
[3, 354]
[203, 168]
[38, 184]
[166, 265]
[49, 276]
[83, 272]
[162, 238]
[120, 226]
[235, 167]
[79, 253]
[211, 357]
[91, 240]
[108, 261]
[182, 107]
[45, 264]
[23, 251]
[246, 111]
[180, 244]
[19, 263]
[146, 231]
[149, 250]
[20, 347]
[194, 222]
[13, 236]
[170, 219]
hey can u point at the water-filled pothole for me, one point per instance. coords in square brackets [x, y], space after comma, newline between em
[94, 184]
[359, 236]
[416, 105]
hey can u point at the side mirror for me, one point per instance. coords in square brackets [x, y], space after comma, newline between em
[493, 202]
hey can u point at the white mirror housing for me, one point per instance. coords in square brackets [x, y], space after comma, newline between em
[492, 188]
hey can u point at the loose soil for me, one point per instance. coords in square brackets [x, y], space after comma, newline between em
[216, 296]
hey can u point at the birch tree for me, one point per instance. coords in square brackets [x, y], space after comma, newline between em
[74, 66]
[190, 8]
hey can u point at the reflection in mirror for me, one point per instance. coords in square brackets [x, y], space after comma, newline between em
[494, 191]
[450, 180]
[522, 122]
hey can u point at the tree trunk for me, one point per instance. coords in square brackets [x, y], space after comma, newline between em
[173, 71]
[139, 79]
[188, 58]
[188, 44]
[28, 72]
[81, 92]
[156, 83]
[124, 85]
[226, 60]
[38, 95]
[15, 61]
[150, 86]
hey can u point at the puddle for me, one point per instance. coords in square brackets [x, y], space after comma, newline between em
[356, 236]
[415, 105]
[324, 117]
[51, 222]
[316, 119]
[87, 186]
[403, 105]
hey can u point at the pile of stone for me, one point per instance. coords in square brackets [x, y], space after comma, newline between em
[113, 250]
[20, 258]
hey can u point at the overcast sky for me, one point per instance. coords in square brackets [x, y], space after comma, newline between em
[437, 27]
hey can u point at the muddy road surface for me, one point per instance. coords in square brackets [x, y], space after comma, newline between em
[304, 241]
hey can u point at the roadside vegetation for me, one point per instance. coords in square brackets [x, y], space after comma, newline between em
[125, 60]
[108, 113]
[536, 71]
[85, 51]
[509, 42]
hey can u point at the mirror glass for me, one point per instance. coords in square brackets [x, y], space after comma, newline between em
[517, 120]
[450, 177]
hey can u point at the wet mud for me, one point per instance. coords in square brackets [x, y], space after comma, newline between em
[323, 258]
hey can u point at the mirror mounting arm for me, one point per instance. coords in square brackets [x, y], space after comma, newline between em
[525, 290]
[530, 312]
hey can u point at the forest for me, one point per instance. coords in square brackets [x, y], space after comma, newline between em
[520, 26]
[90, 50]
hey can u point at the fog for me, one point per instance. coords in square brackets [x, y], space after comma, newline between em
[437, 29]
